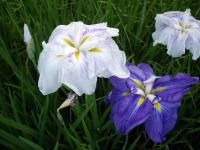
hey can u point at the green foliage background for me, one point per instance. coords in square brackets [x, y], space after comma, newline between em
[28, 119]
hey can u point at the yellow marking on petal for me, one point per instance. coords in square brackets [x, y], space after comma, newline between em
[182, 31]
[140, 101]
[58, 55]
[94, 50]
[188, 26]
[126, 93]
[69, 42]
[180, 23]
[84, 39]
[157, 106]
[139, 83]
[158, 89]
[76, 54]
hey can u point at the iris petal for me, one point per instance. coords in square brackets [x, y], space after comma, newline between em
[115, 95]
[109, 61]
[136, 73]
[160, 122]
[120, 84]
[193, 43]
[127, 114]
[147, 69]
[49, 69]
[76, 75]
[174, 85]
[176, 44]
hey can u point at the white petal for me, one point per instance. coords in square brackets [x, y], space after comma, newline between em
[195, 51]
[76, 75]
[77, 30]
[74, 32]
[193, 43]
[139, 92]
[49, 69]
[110, 61]
[163, 21]
[175, 14]
[97, 33]
[149, 83]
[176, 44]
[101, 27]
[60, 41]
[27, 35]
[162, 36]
[61, 29]
[151, 97]
[186, 17]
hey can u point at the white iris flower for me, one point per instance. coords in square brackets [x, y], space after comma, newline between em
[76, 54]
[179, 31]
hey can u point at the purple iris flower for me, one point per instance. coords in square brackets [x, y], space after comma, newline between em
[149, 99]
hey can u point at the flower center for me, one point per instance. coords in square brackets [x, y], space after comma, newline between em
[77, 48]
[184, 28]
[145, 90]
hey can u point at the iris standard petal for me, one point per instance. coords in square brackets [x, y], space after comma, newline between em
[96, 34]
[98, 28]
[130, 112]
[136, 72]
[148, 71]
[171, 85]
[186, 17]
[162, 120]
[73, 31]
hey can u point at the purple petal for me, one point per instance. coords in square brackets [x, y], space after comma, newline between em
[174, 87]
[135, 72]
[161, 122]
[175, 97]
[119, 83]
[146, 68]
[141, 73]
[126, 114]
[116, 95]
[174, 14]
